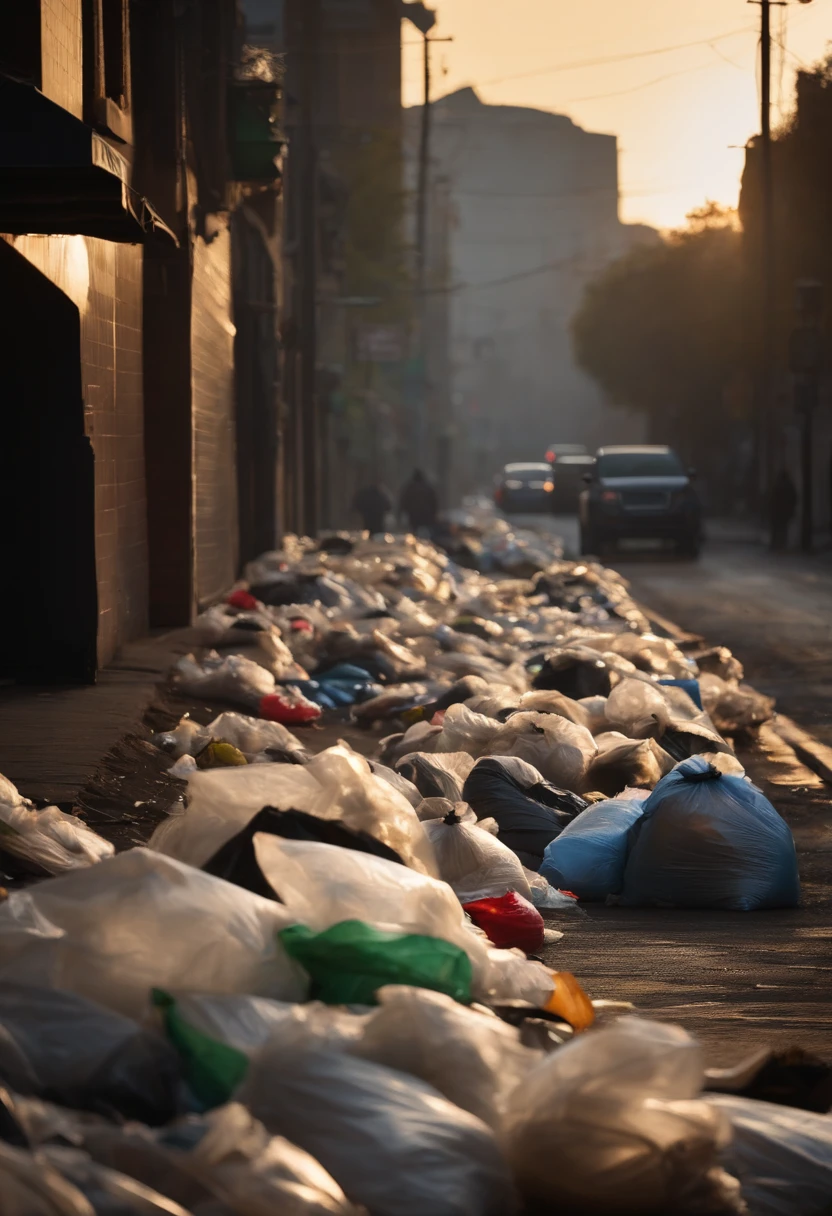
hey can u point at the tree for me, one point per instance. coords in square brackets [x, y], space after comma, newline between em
[661, 331]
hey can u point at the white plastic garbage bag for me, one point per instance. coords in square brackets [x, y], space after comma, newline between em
[223, 1163]
[246, 1023]
[559, 749]
[626, 762]
[392, 1142]
[233, 678]
[138, 921]
[186, 739]
[349, 791]
[472, 1058]
[51, 839]
[323, 884]
[782, 1156]
[472, 861]
[637, 708]
[222, 801]
[465, 731]
[252, 735]
[611, 1125]
[256, 1174]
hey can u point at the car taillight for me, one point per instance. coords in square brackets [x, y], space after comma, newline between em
[548, 486]
[610, 496]
[551, 456]
[498, 495]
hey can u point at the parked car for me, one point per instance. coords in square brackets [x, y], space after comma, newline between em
[525, 487]
[640, 492]
[570, 461]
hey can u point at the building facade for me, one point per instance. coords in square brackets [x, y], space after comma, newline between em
[118, 194]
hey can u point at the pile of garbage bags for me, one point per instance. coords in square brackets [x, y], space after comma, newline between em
[319, 987]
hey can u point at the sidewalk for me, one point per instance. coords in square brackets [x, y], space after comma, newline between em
[54, 740]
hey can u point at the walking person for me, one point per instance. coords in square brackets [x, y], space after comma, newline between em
[372, 503]
[418, 503]
[782, 506]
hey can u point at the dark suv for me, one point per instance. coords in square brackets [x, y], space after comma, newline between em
[640, 492]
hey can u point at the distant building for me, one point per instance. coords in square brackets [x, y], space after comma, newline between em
[532, 207]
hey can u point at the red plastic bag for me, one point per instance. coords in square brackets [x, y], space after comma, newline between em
[509, 920]
[243, 600]
[288, 708]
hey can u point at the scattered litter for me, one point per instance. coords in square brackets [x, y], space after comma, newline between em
[318, 990]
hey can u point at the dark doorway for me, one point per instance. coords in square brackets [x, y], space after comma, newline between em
[49, 603]
[256, 360]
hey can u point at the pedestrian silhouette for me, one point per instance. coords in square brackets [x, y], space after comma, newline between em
[418, 503]
[782, 506]
[372, 503]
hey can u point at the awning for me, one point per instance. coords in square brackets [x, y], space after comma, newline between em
[57, 175]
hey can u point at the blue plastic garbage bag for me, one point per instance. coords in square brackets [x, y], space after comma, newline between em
[589, 856]
[707, 840]
[345, 671]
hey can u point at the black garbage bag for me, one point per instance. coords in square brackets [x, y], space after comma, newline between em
[62, 1048]
[236, 861]
[282, 589]
[530, 812]
[336, 542]
[577, 672]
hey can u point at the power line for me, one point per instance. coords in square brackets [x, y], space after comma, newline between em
[509, 278]
[636, 88]
[595, 63]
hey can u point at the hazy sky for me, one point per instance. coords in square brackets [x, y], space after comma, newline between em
[681, 116]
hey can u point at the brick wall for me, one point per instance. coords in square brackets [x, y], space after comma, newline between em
[112, 375]
[212, 372]
[61, 51]
[104, 280]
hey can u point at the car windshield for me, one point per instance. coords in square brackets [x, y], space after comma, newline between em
[528, 472]
[640, 464]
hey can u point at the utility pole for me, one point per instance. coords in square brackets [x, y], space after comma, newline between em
[424, 161]
[767, 438]
[806, 359]
[424, 20]
[308, 14]
[766, 444]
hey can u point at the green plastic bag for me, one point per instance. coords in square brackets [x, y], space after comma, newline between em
[212, 1069]
[350, 961]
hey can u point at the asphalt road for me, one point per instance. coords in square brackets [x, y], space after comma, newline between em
[743, 980]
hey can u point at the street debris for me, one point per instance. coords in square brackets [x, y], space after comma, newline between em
[317, 989]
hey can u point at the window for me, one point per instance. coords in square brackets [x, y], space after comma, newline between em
[640, 464]
[114, 39]
[107, 67]
[20, 45]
